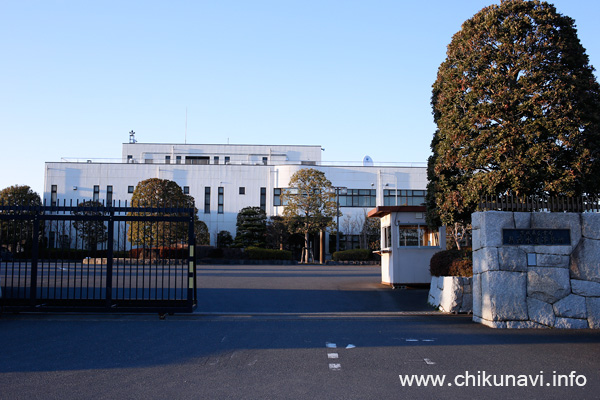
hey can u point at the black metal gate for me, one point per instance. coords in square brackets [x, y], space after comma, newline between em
[88, 257]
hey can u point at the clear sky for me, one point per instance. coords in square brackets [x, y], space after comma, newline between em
[352, 76]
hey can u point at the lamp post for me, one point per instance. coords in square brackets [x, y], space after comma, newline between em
[337, 199]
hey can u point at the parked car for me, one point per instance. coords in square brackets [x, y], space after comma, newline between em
[5, 255]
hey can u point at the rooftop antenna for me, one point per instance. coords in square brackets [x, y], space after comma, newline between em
[185, 139]
[132, 137]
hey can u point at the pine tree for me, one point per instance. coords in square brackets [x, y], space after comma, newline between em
[251, 227]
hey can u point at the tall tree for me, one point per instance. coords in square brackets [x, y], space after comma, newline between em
[309, 204]
[251, 227]
[91, 232]
[156, 192]
[517, 108]
[17, 234]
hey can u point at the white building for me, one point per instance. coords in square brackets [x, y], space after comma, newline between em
[223, 179]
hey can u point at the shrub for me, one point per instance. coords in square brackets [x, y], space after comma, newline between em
[224, 239]
[255, 253]
[177, 252]
[452, 263]
[353, 255]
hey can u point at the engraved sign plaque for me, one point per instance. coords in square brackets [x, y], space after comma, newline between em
[536, 237]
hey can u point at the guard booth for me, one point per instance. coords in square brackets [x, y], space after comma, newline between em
[407, 244]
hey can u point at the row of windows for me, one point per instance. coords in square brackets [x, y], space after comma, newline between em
[404, 197]
[358, 198]
[193, 160]
[186, 190]
[368, 197]
[411, 236]
[351, 198]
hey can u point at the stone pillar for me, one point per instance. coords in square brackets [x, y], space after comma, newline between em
[523, 286]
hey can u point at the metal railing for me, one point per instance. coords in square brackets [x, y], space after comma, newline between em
[539, 203]
[247, 163]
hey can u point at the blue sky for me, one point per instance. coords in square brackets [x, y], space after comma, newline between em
[352, 76]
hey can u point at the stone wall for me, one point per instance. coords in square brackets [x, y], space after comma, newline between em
[451, 294]
[536, 286]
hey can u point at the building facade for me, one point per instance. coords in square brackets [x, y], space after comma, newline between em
[223, 179]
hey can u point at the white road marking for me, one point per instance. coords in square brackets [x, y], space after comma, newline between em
[335, 367]
[333, 355]
[330, 345]
[412, 340]
[428, 361]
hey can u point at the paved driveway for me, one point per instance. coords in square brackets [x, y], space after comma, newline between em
[260, 289]
[297, 332]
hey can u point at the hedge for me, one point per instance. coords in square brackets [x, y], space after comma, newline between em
[255, 253]
[452, 263]
[353, 255]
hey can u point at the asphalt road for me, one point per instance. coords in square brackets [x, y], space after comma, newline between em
[291, 333]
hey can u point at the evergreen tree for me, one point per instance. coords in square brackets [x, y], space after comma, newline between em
[91, 232]
[17, 234]
[517, 108]
[309, 204]
[156, 192]
[251, 227]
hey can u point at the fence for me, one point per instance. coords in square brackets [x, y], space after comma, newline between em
[539, 203]
[97, 258]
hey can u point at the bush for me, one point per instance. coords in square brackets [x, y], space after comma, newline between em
[255, 253]
[224, 239]
[452, 263]
[353, 255]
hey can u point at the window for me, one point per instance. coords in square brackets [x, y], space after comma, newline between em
[129, 159]
[351, 242]
[358, 198]
[242, 190]
[417, 236]
[177, 159]
[263, 198]
[130, 189]
[167, 159]
[387, 237]
[207, 200]
[216, 160]
[53, 195]
[109, 195]
[403, 197]
[265, 160]
[186, 190]
[194, 160]
[227, 159]
[220, 200]
[276, 197]
[96, 193]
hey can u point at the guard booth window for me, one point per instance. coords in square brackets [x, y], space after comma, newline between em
[387, 237]
[417, 236]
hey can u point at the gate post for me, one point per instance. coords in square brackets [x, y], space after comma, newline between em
[109, 259]
[34, 259]
[191, 262]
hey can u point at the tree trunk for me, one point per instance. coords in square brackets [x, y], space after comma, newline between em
[305, 250]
